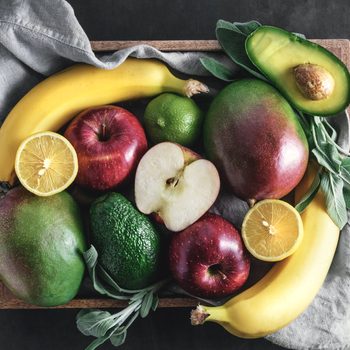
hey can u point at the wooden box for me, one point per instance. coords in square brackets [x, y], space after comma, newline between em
[340, 47]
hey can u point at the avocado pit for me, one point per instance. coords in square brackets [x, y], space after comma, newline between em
[314, 81]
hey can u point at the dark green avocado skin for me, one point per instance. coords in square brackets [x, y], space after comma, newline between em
[126, 241]
[41, 246]
[254, 138]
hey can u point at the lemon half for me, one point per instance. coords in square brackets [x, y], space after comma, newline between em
[46, 163]
[272, 230]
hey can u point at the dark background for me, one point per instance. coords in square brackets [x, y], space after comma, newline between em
[168, 329]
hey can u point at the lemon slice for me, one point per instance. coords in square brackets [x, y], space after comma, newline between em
[46, 163]
[272, 230]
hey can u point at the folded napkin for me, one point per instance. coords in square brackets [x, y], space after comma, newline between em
[40, 37]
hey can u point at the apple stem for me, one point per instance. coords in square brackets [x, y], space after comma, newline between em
[193, 87]
[251, 202]
[221, 274]
[199, 315]
[103, 131]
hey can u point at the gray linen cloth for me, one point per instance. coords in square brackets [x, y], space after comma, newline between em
[40, 37]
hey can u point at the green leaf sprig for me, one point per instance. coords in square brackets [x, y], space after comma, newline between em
[231, 37]
[113, 327]
[335, 169]
[333, 177]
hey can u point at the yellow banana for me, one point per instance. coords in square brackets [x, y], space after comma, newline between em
[290, 286]
[53, 102]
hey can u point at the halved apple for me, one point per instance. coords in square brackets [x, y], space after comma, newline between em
[173, 182]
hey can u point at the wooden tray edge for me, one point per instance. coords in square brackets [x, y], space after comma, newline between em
[340, 47]
[186, 45]
[13, 304]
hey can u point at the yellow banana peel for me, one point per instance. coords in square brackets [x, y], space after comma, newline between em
[290, 286]
[57, 99]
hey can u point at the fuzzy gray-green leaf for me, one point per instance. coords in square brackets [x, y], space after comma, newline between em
[217, 69]
[332, 187]
[345, 170]
[324, 160]
[245, 28]
[346, 193]
[94, 322]
[309, 196]
[146, 304]
[155, 302]
[99, 341]
[233, 43]
[119, 338]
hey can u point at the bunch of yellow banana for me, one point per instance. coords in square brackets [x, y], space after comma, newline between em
[290, 286]
[57, 99]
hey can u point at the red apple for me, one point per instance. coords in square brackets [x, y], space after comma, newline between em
[176, 184]
[109, 142]
[208, 259]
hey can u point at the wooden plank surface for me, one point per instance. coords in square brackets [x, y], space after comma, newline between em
[335, 45]
[171, 45]
[340, 47]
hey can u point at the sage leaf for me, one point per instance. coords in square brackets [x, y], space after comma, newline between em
[325, 151]
[112, 290]
[103, 325]
[346, 193]
[106, 277]
[245, 28]
[309, 196]
[332, 187]
[90, 257]
[146, 304]
[217, 69]
[333, 134]
[99, 341]
[232, 41]
[94, 322]
[345, 170]
[324, 160]
[139, 295]
[155, 302]
[119, 338]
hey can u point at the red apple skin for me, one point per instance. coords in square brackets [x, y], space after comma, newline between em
[211, 242]
[189, 155]
[109, 142]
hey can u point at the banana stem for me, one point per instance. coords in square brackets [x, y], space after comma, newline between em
[199, 315]
[193, 87]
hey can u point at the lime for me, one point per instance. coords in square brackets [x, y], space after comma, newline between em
[174, 118]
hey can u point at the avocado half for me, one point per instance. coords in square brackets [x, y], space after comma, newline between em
[276, 52]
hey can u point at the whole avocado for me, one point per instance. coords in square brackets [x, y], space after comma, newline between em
[253, 136]
[128, 245]
[41, 246]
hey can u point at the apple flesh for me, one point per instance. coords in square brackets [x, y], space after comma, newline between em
[109, 142]
[175, 184]
[208, 259]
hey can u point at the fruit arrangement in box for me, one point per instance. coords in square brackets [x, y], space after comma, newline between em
[135, 197]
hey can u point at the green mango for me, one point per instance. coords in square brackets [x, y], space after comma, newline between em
[41, 246]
